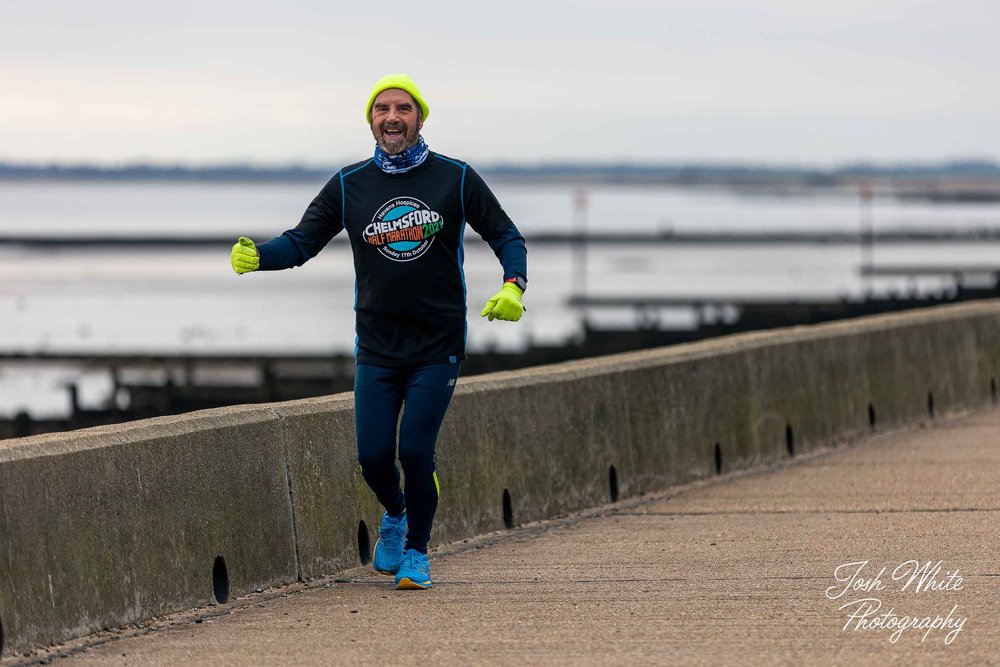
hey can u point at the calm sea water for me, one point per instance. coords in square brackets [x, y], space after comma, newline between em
[189, 301]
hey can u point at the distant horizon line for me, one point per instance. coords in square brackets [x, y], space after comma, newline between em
[975, 162]
[685, 172]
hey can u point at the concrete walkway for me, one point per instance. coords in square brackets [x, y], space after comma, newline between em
[737, 571]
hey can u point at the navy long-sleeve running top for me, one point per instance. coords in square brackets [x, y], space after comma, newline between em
[406, 232]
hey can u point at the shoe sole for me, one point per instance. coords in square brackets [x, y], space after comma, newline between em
[407, 584]
[388, 573]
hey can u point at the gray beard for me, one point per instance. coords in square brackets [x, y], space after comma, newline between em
[400, 146]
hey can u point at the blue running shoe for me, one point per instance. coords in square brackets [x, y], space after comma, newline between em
[414, 571]
[389, 547]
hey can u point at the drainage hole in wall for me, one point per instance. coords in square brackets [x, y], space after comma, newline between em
[613, 483]
[508, 511]
[993, 390]
[789, 440]
[718, 459]
[871, 416]
[22, 425]
[930, 404]
[220, 580]
[364, 544]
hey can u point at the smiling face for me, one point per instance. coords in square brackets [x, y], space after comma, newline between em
[396, 121]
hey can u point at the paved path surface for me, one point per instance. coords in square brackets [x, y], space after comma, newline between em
[735, 571]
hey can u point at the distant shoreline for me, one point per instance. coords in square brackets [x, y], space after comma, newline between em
[675, 173]
[967, 181]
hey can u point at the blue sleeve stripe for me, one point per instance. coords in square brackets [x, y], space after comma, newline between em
[343, 208]
[461, 190]
[358, 168]
[461, 193]
[343, 198]
[457, 164]
[465, 287]
[461, 244]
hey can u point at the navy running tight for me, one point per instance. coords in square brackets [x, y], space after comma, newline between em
[379, 394]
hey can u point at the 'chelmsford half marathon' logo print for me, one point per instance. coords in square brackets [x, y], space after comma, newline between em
[403, 229]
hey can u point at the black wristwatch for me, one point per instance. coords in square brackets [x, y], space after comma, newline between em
[519, 282]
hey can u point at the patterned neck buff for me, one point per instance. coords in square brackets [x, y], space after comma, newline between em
[402, 162]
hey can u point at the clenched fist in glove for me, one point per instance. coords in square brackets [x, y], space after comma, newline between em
[505, 304]
[244, 256]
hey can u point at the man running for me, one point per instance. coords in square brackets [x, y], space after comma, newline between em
[404, 211]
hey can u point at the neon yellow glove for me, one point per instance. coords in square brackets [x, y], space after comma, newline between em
[505, 304]
[244, 256]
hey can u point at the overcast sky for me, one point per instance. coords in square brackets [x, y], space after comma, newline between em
[780, 81]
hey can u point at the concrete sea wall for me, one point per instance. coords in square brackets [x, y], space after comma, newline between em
[113, 525]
